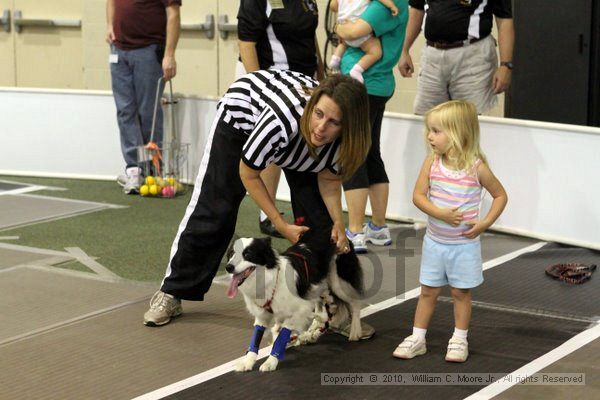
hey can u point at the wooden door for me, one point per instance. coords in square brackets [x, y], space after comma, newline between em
[197, 50]
[228, 43]
[7, 45]
[48, 43]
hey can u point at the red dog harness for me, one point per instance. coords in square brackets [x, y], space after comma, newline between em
[267, 305]
[303, 259]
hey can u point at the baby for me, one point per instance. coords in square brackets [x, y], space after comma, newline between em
[350, 10]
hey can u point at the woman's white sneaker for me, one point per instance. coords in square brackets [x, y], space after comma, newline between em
[163, 307]
[458, 350]
[411, 347]
[377, 235]
[358, 241]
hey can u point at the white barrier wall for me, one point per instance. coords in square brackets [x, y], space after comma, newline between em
[549, 170]
[75, 133]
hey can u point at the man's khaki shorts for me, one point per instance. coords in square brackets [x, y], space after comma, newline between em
[462, 73]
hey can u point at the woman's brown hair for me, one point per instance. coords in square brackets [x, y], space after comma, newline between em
[355, 137]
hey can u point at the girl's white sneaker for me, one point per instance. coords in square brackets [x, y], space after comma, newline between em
[411, 347]
[458, 350]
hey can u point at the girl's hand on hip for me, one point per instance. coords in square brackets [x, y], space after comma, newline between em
[451, 216]
[476, 229]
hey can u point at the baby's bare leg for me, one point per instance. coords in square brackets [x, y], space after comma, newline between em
[340, 49]
[336, 58]
[373, 52]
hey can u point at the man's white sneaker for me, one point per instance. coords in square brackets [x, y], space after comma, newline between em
[163, 307]
[131, 181]
[358, 241]
[458, 350]
[378, 235]
[411, 347]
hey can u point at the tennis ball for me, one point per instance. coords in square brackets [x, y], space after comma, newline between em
[150, 180]
[154, 190]
[160, 182]
[179, 187]
[144, 190]
[171, 181]
[167, 191]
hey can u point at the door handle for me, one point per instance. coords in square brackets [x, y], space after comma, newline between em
[5, 20]
[208, 27]
[20, 22]
[225, 27]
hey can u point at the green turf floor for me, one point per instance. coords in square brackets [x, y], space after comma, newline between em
[133, 242]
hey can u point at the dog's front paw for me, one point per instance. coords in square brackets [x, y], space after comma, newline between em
[354, 336]
[269, 365]
[246, 363]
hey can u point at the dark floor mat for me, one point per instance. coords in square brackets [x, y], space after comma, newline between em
[523, 284]
[500, 342]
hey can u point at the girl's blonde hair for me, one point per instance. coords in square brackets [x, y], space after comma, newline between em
[458, 119]
[355, 138]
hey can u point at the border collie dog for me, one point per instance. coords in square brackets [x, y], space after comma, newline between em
[284, 289]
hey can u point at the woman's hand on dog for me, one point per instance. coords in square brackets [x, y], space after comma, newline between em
[338, 236]
[291, 232]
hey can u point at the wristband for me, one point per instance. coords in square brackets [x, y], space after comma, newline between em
[282, 340]
[256, 338]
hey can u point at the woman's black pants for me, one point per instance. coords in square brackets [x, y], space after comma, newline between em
[210, 218]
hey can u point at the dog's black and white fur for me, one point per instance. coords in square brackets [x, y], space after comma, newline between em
[284, 289]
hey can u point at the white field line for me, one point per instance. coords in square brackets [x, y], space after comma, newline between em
[38, 187]
[63, 199]
[510, 380]
[100, 272]
[27, 189]
[35, 250]
[89, 262]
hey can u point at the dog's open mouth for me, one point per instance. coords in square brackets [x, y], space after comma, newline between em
[237, 280]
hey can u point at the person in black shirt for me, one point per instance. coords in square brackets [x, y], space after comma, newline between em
[459, 61]
[318, 134]
[281, 35]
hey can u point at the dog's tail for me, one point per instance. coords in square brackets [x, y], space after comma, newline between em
[349, 269]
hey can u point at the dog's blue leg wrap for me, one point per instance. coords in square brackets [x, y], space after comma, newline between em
[279, 346]
[256, 338]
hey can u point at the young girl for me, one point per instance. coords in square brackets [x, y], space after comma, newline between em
[448, 190]
[350, 10]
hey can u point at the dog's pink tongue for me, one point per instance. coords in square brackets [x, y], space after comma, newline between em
[233, 287]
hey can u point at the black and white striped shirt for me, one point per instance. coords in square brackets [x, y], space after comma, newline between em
[267, 106]
[457, 20]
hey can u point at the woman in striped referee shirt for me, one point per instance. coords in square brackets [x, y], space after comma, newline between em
[318, 134]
